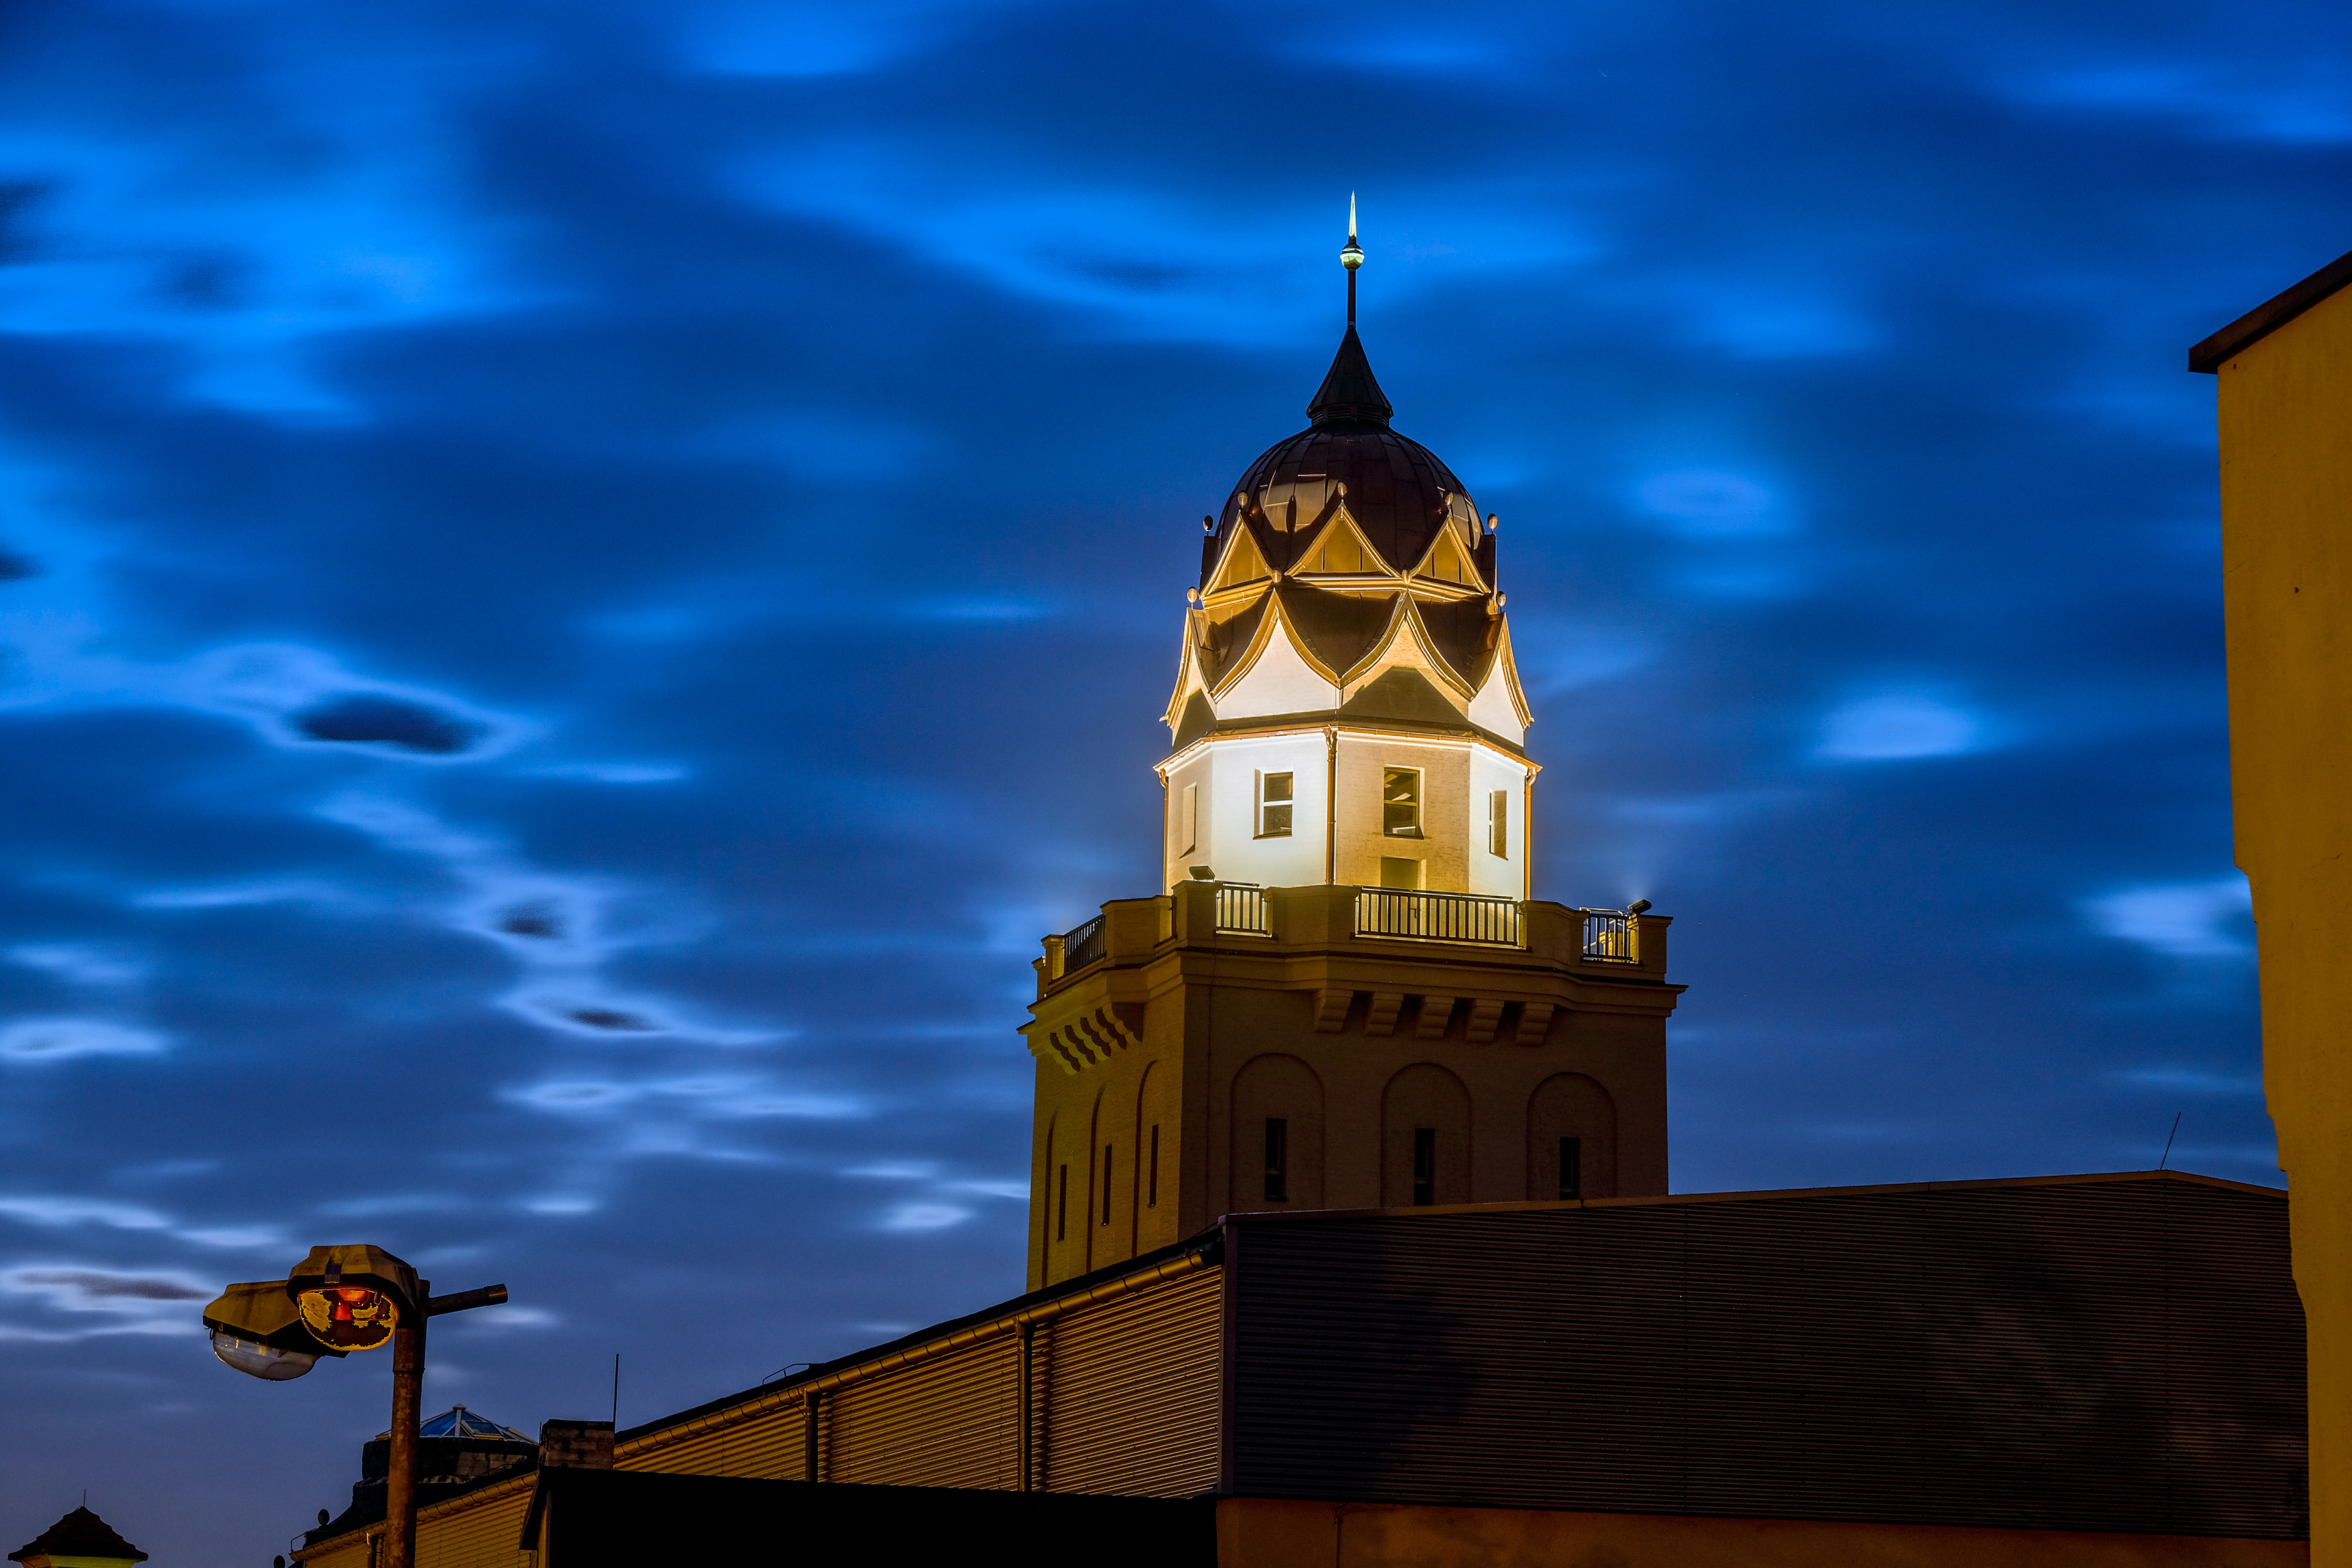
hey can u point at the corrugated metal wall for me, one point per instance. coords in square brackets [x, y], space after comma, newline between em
[766, 1444]
[2119, 1355]
[348, 1552]
[1128, 1394]
[476, 1531]
[946, 1422]
[1124, 1400]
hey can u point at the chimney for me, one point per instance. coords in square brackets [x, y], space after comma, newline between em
[575, 1444]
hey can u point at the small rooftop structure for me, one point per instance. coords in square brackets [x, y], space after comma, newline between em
[455, 1449]
[80, 1538]
[459, 1422]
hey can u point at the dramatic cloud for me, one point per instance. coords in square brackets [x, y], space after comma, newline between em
[79, 965]
[579, 586]
[85, 1290]
[2192, 919]
[1892, 728]
[62, 1039]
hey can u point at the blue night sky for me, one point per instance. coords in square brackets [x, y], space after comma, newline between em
[581, 584]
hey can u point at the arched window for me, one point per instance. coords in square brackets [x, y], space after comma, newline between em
[1278, 1135]
[1572, 1139]
[1424, 1138]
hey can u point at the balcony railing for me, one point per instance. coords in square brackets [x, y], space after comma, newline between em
[1241, 911]
[1437, 917]
[1608, 938]
[1082, 945]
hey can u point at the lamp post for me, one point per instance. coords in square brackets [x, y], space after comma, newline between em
[337, 1300]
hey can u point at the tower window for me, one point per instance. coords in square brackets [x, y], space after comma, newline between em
[1274, 805]
[1153, 1201]
[1498, 823]
[1277, 1155]
[1571, 1167]
[1396, 871]
[1062, 1207]
[1188, 819]
[1401, 801]
[1425, 1166]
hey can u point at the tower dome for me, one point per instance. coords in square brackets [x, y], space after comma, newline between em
[1346, 706]
[1397, 492]
[1350, 889]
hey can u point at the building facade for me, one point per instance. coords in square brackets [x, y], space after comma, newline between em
[1350, 1239]
[2065, 1370]
[1348, 997]
[2285, 412]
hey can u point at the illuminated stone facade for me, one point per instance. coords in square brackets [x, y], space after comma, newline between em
[1347, 998]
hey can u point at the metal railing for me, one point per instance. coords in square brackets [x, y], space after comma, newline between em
[1608, 938]
[1242, 911]
[1082, 945]
[1437, 917]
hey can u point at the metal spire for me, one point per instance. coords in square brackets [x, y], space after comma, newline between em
[1351, 256]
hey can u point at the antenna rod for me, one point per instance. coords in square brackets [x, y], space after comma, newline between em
[617, 1390]
[2169, 1138]
[1351, 256]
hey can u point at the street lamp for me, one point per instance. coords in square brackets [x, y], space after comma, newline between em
[337, 1300]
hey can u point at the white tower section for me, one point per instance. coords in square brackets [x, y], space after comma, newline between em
[1346, 708]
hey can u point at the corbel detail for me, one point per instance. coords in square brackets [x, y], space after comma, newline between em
[1091, 1038]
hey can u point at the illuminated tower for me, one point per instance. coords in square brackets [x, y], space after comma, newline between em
[1348, 997]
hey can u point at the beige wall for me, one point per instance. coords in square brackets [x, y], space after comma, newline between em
[1204, 1037]
[2285, 406]
[1228, 772]
[1442, 850]
[1458, 777]
[1504, 875]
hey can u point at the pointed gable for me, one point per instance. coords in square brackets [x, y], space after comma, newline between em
[1401, 691]
[1339, 631]
[1277, 673]
[1447, 561]
[1501, 707]
[1195, 722]
[1341, 548]
[1243, 562]
[1462, 633]
[1226, 642]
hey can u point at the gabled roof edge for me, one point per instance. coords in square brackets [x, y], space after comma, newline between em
[2207, 357]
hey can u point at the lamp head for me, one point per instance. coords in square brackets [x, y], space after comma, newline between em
[258, 1329]
[352, 1296]
[1202, 873]
[1637, 905]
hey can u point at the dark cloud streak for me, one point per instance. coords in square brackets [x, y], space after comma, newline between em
[575, 593]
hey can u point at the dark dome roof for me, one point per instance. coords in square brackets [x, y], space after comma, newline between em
[1396, 489]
